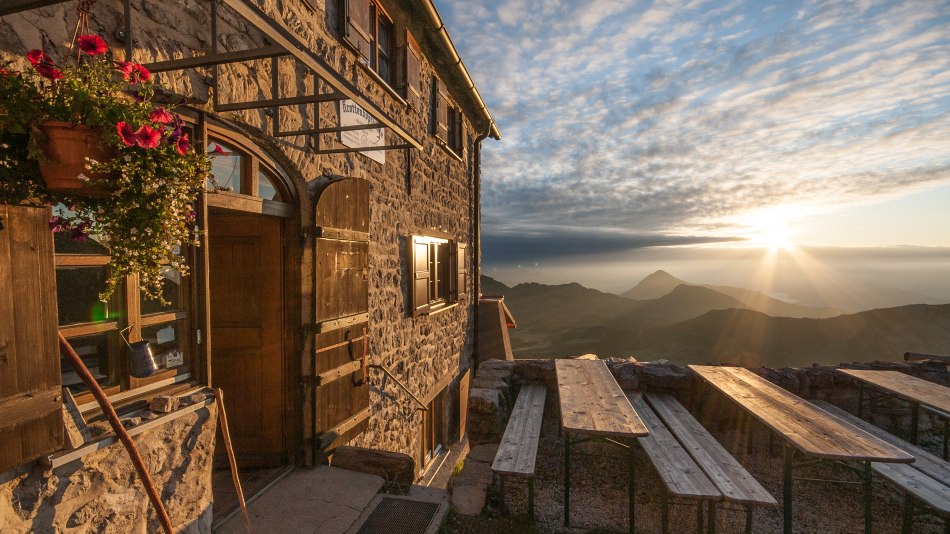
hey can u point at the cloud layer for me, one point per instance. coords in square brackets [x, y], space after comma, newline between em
[675, 118]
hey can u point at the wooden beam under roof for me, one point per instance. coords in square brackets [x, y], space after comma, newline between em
[9, 7]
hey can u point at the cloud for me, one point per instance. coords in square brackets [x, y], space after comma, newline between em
[658, 118]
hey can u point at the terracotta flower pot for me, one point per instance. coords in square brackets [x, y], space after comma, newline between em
[66, 149]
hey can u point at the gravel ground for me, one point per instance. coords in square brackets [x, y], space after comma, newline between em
[599, 491]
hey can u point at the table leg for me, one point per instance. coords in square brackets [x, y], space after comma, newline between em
[787, 490]
[860, 399]
[946, 436]
[631, 486]
[531, 497]
[907, 527]
[868, 487]
[914, 422]
[699, 518]
[567, 478]
[748, 520]
[712, 517]
[665, 513]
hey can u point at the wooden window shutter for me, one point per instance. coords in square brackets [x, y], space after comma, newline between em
[419, 292]
[462, 272]
[412, 72]
[440, 110]
[357, 26]
[452, 274]
[31, 417]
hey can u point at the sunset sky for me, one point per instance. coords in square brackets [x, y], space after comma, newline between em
[635, 124]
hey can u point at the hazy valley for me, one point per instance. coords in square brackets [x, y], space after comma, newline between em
[665, 317]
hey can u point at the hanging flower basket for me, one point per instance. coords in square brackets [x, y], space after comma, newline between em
[68, 151]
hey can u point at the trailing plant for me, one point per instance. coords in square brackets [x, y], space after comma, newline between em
[142, 208]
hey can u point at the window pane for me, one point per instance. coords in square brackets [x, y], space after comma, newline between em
[266, 188]
[384, 35]
[77, 294]
[172, 292]
[166, 342]
[227, 165]
[66, 241]
[99, 356]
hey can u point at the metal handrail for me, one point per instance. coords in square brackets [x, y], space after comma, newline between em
[390, 374]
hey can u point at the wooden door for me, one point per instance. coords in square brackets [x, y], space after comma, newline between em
[245, 260]
[340, 398]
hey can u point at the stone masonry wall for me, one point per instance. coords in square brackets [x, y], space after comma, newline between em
[101, 493]
[429, 190]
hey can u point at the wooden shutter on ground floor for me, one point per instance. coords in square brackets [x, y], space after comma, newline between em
[357, 29]
[461, 272]
[31, 419]
[412, 72]
[341, 303]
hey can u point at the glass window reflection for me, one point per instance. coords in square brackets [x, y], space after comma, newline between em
[98, 355]
[77, 294]
[227, 166]
[166, 342]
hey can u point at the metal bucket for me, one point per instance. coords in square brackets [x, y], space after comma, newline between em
[141, 360]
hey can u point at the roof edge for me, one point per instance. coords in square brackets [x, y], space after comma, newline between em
[436, 20]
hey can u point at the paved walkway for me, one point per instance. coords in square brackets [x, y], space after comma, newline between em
[324, 500]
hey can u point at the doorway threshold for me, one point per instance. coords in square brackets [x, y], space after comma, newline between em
[254, 482]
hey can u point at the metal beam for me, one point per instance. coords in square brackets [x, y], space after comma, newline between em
[9, 7]
[274, 102]
[314, 131]
[213, 59]
[275, 32]
[362, 149]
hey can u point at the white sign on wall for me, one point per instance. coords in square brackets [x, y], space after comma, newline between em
[353, 115]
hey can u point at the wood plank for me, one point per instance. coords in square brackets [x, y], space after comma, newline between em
[679, 472]
[806, 427]
[930, 464]
[592, 401]
[927, 489]
[735, 483]
[518, 450]
[905, 386]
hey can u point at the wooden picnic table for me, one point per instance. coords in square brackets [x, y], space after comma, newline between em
[806, 429]
[593, 405]
[916, 391]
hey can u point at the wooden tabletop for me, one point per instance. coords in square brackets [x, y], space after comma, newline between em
[907, 387]
[592, 401]
[806, 427]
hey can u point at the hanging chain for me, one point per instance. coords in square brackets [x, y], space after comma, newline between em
[83, 9]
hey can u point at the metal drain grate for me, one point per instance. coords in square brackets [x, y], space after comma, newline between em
[400, 516]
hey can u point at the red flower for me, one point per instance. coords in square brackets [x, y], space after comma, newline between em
[133, 72]
[92, 45]
[148, 137]
[126, 133]
[4, 71]
[44, 64]
[161, 116]
[182, 145]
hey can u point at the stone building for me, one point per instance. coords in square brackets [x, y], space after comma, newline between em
[333, 296]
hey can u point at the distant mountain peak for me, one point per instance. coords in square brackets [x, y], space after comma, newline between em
[654, 286]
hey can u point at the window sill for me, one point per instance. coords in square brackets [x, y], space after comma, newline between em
[384, 84]
[65, 456]
[449, 151]
[439, 310]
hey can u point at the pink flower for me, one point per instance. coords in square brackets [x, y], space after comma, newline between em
[161, 116]
[38, 56]
[182, 145]
[133, 72]
[92, 45]
[126, 133]
[218, 150]
[57, 223]
[148, 137]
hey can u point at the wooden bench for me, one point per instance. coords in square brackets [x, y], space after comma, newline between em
[735, 483]
[927, 479]
[519, 446]
[677, 469]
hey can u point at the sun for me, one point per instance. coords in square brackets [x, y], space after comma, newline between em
[770, 228]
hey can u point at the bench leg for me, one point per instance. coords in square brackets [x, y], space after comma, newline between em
[787, 490]
[700, 524]
[868, 487]
[567, 478]
[712, 517]
[501, 494]
[860, 399]
[531, 497]
[748, 520]
[914, 422]
[631, 486]
[946, 437]
[907, 526]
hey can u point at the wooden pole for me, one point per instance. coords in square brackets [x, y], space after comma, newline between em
[226, 434]
[119, 430]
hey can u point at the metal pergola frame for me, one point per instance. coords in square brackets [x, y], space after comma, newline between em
[285, 44]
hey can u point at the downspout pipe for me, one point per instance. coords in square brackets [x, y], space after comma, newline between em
[439, 29]
[476, 231]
